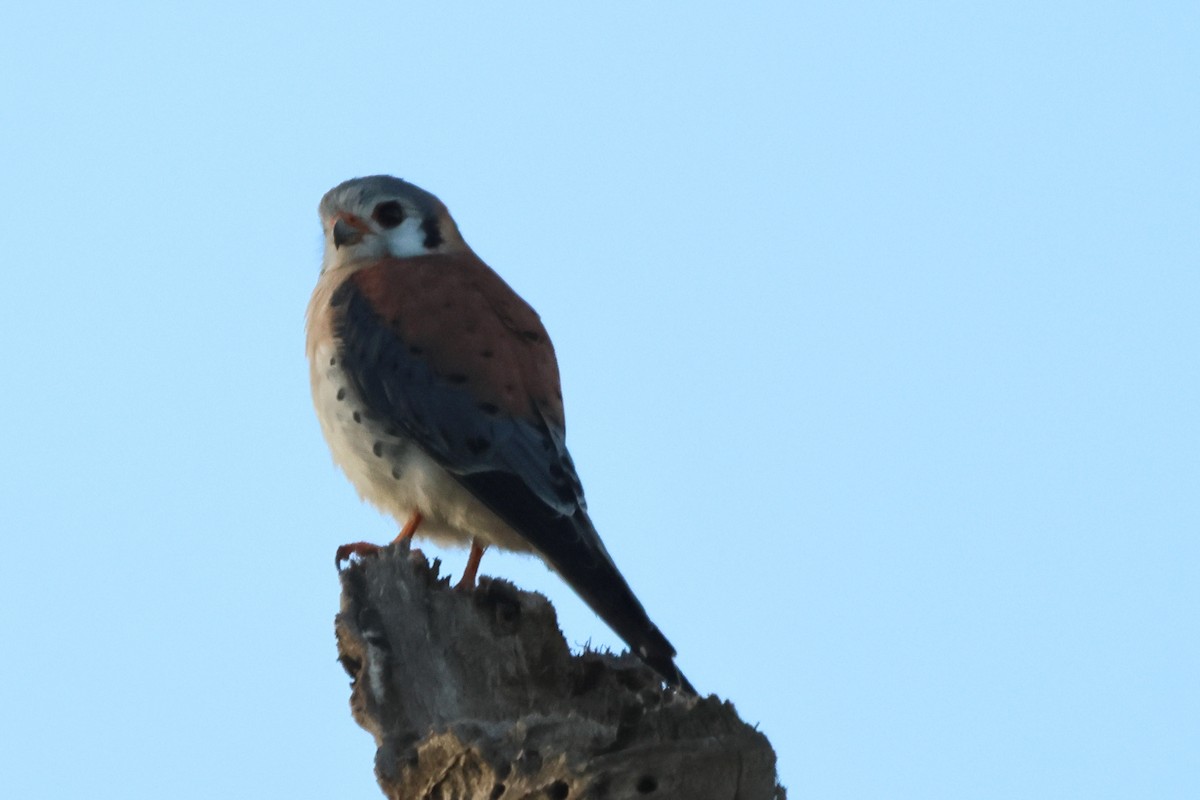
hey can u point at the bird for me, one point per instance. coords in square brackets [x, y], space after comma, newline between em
[437, 390]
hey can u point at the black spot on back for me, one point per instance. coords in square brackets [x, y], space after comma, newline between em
[478, 444]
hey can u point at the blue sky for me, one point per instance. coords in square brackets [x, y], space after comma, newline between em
[879, 342]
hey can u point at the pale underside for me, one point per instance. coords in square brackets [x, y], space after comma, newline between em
[388, 470]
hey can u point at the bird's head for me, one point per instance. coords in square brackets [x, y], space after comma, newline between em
[365, 219]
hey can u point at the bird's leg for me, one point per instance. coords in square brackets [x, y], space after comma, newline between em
[409, 528]
[468, 578]
[361, 549]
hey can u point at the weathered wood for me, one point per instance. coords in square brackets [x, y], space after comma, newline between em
[474, 695]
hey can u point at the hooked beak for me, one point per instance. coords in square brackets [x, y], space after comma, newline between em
[347, 231]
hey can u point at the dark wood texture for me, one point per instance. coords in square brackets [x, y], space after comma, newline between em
[474, 695]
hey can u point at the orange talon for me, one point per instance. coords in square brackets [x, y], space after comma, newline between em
[359, 549]
[468, 578]
[362, 549]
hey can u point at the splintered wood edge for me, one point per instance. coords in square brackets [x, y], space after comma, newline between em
[476, 695]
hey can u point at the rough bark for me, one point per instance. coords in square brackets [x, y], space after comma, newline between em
[475, 695]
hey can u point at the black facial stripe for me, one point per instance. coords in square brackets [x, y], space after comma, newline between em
[433, 233]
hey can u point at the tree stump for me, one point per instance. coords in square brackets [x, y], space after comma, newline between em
[474, 695]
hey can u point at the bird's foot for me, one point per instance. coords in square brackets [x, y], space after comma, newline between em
[360, 549]
[467, 583]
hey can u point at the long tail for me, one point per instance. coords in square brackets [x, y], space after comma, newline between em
[585, 565]
[570, 544]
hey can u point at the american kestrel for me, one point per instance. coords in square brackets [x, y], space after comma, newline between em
[437, 389]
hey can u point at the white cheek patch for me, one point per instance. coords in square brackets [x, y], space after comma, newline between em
[407, 239]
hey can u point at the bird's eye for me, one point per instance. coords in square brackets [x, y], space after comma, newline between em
[389, 214]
